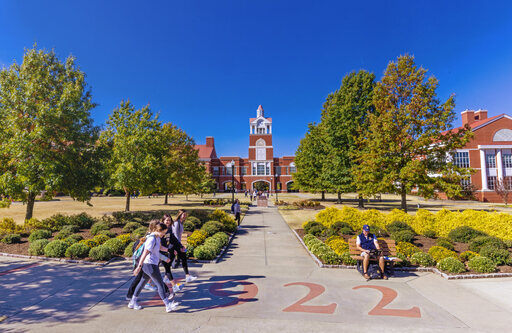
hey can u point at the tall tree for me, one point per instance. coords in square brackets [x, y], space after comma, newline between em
[47, 137]
[310, 159]
[344, 116]
[408, 138]
[136, 149]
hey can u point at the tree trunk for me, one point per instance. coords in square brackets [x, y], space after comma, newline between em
[166, 202]
[361, 201]
[30, 205]
[339, 198]
[127, 207]
[323, 195]
[404, 200]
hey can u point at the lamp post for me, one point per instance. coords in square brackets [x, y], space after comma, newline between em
[232, 181]
[277, 197]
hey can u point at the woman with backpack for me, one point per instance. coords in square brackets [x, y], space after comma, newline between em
[148, 264]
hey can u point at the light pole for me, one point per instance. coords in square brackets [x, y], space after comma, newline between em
[277, 197]
[232, 181]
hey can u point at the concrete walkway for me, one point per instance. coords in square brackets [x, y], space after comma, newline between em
[266, 283]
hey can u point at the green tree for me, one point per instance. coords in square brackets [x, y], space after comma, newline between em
[344, 116]
[47, 137]
[310, 160]
[408, 138]
[136, 149]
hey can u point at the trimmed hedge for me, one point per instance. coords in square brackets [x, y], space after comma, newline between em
[497, 255]
[36, 247]
[116, 245]
[445, 243]
[439, 253]
[11, 238]
[478, 242]
[100, 239]
[422, 259]
[403, 236]
[482, 265]
[196, 238]
[97, 227]
[451, 265]
[212, 227]
[468, 255]
[128, 250]
[407, 249]
[139, 233]
[39, 234]
[101, 252]
[131, 227]
[89, 242]
[56, 249]
[464, 234]
[77, 251]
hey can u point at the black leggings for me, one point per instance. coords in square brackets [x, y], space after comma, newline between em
[181, 256]
[136, 281]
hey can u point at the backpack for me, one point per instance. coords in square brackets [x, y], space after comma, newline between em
[138, 248]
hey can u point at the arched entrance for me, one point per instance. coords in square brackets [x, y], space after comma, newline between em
[261, 185]
[226, 186]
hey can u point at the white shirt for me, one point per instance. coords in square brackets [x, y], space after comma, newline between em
[152, 244]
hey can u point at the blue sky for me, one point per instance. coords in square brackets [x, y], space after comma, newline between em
[207, 65]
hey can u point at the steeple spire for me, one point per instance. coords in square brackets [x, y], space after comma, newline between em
[259, 112]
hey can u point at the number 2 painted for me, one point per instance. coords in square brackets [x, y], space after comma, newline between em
[315, 290]
[388, 295]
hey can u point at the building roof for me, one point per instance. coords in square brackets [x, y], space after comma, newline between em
[477, 124]
[205, 152]
[253, 119]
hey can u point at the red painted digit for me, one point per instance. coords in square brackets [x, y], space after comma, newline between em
[156, 300]
[315, 290]
[250, 290]
[388, 295]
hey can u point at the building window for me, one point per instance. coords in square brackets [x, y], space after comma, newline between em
[461, 159]
[229, 170]
[491, 182]
[465, 183]
[244, 170]
[507, 160]
[215, 171]
[277, 171]
[507, 182]
[279, 186]
[261, 169]
[491, 160]
[293, 169]
[254, 169]
[268, 169]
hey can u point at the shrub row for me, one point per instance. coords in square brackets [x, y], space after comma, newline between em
[211, 247]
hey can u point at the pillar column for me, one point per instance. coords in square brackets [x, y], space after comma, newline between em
[483, 170]
[499, 165]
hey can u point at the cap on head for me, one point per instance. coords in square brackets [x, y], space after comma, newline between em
[366, 227]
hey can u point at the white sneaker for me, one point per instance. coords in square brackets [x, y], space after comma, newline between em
[190, 278]
[150, 287]
[170, 297]
[177, 287]
[134, 305]
[171, 306]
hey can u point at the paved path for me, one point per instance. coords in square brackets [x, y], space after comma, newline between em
[267, 282]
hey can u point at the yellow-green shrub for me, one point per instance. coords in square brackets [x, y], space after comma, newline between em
[407, 249]
[197, 238]
[337, 244]
[468, 255]
[439, 253]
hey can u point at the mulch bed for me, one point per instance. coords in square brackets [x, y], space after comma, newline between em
[425, 243]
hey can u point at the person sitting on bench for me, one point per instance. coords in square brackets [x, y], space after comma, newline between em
[366, 242]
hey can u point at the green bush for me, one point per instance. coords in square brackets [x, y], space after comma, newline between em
[429, 234]
[131, 227]
[451, 265]
[39, 234]
[202, 214]
[497, 255]
[11, 238]
[468, 255]
[405, 261]
[222, 237]
[56, 249]
[346, 259]
[189, 226]
[342, 228]
[422, 259]
[116, 245]
[97, 227]
[478, 242]
[481, 265]
[403, 236]
[125, 238]
[508, 243]
[229, 224]
[77, 251]
[5, 203]
[139, 233]
[57, 221]
[36, 247]
[196, 222]
[407, 249]
[128, 250]
[101, 252]
[310, 224]
[439, 253]
[197, 238]
[317, 230]
[464, 234]
[100, 239]
[70, 228]
[204, 252]
[63, 234]
[108, 233]
[70, 241]
[76, 237]
[82, 221]
[445, 243]
[397, 226]
[212, 227]
[378, 231]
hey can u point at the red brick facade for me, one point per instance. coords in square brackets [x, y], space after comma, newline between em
[259, 166]
[489, 152]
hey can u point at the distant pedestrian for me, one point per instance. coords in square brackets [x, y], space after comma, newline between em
[235, 209]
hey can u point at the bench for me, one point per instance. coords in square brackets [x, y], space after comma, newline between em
[388, 248]
[183, 240]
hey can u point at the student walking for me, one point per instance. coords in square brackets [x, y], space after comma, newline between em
[148, 263]
[178, 253]
[235, 209]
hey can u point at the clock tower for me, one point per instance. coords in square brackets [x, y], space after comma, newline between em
[261, 151]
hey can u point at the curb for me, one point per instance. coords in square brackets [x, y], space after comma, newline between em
[410, 269]
[62, 260]
[219, 256]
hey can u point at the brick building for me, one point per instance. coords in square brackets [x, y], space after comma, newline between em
[489, 153]
[260, 170]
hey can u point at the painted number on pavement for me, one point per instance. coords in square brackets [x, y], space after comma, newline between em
[388, 295]
[315, 290]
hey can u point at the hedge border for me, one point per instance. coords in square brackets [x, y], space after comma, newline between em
[409, 269]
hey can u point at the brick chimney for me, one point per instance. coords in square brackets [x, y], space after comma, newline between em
[468, 117]
[480, 115]
[210, 142]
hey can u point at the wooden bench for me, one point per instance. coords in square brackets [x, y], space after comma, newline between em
[387, 246]
[183, 240]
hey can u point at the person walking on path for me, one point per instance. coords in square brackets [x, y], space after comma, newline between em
[235, 209]
[148, 263]
[177, 230]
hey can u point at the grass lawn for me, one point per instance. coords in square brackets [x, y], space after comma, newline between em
[107, 205]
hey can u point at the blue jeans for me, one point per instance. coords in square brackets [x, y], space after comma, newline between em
[152, 272]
